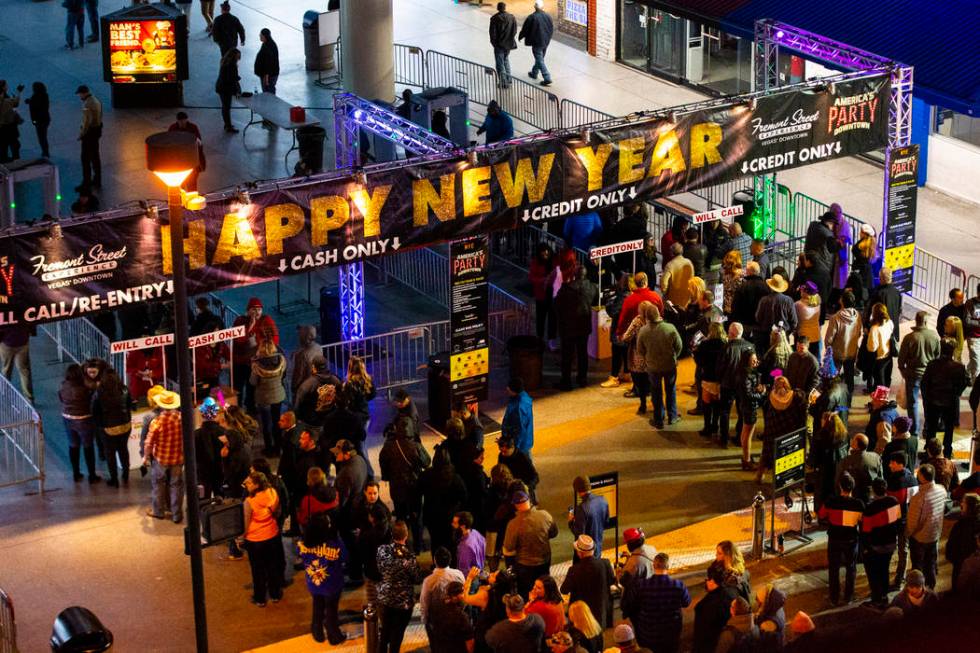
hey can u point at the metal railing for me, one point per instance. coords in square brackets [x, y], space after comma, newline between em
[21, 439]
[410, 65]
[479, 81]
[574, 114]
[78, 340]
[516, 247]
[8, 626]
[530, 104]
[933, 278]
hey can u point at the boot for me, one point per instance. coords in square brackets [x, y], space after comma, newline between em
[90, 465]
[642, 410]
[74, 455]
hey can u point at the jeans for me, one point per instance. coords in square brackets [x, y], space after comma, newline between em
[903, 553]
[973, 350]
[167, 482]
[226, 117]
[266, 561]
[117, 449]
[948, 415]
[269, 423]
[325, 615]
[663, 384]
[92, 7]
[20, 356]
[501, 58]
[913, 392]
[75, 22]
[924, 558]
[579, 348]
[269, 87]
[876, 565]
[538, 53]
[81, 432]
[842, 554]
[394, 621]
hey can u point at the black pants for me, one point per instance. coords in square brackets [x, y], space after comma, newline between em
[924, 558]
[9, 143]
[226, 108]
[267, 562]
[325, 616]
[948, 416]
[724, 413]
[394, 621]
[408, 509]
[117, 447]
[42, 137]
[881, 372]
[576, 347]
[618, 359]
[544, 314]
[641, 386]
[244, 389]
[876, 565]
[842, 554]
[848, 374]
[91, 159]
[712, 414]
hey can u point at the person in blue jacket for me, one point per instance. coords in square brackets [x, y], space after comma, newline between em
[519, 417]
[582, 231]
[323, 555]
[497, 125]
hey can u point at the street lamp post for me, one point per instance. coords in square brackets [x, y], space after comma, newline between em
[172, 156]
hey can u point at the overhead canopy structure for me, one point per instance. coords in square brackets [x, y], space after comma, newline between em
[938, 39]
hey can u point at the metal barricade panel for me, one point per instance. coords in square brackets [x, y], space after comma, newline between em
[574, 114]
[530, 104]
[409, 65]
[479, 81]
[21, 439]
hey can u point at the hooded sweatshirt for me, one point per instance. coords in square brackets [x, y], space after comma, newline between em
[771, 620]
[843, 334]
[739, 634]
[303, 357]
[267, 374]
[235, 465]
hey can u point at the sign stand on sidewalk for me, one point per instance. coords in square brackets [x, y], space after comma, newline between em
[789, 473]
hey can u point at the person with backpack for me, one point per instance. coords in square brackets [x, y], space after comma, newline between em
[402, 461]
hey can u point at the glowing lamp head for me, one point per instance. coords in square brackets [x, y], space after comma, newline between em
[172, 156]
[358, 115]
[780, 34]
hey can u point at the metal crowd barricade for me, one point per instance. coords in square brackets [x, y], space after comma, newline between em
[933, 278]
[8, 626]
[530, 104]
[409, 65]
[516, 247]
[78, 339]
[21, 439]
[574, 114]
[479, 81]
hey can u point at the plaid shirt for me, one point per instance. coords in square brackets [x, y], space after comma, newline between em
[165, 441]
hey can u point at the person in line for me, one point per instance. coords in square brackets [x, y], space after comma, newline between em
[527, 541]
[15, 349]
[880, 345]
[784, 412]
[39, 108]
[962, 540]
[775, 310]
[90, 134]
[770, 618]
[503, 30]
[164, 450]
[519, 464]
[267, 62]
[750, 393]
[919, 347]
[259, 329]
[536, 32]
[227, 30]
[545, 600]
[732, 277]
[75, 21]
[654, 606]
[573, 309]
[660, 344]
[590, 514]
[729, 368]
[520, 632]
[590, 579]
[740, 633]
[675, 280]
[900, 479]
[76, 411]
[323, 554]
[498, 125]
[539, 270]
[879, 533]
[916, 596]
[228, 85]
[183, 124]
[400, 572]
[262, 540]
[268, 370]
[713, 611]
[518, 421]
[434, 585]
[943, 382]
[637, 364]
[843, 337]
[809, 316]
[301, 361]
[112, 413]
[402, 460]
[207, 446]
[924, 524]
[863, 465]
[803, 366]
[843, 512]
[471, 546]
[746, 299]
[583, 627]
[736, 575]
[451, 631]
[443, 495]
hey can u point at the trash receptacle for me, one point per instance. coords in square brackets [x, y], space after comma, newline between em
[329, 316]
[77, 630]
[318, 57]
[310, 140]
[526, 360]
[439, 390]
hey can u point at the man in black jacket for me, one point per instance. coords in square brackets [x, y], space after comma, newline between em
[267, 62]
[227, 29]
[713, 610]
[695, 251]
[955, 308]
[879, 528]
[746, 298]
[821, 243]
[801, 368]
[942, 384]
[503, 29]
[589, 580]
[843, 512]
[573, 306]
[729, 366]
[307, 395]
[536, 32]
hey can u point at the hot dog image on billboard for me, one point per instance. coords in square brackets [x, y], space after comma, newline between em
[142, 50]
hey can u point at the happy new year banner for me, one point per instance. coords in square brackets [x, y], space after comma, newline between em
[104, 263]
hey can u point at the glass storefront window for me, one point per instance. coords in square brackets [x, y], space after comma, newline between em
[958, 125]
[651, 39]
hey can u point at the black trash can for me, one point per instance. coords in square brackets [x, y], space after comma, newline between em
[440, 396]
[77, 630]
[310, 140]
[329, 316]
[526, 360]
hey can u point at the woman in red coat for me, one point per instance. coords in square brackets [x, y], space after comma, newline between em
[144, 369]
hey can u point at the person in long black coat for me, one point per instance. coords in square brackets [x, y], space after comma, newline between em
[267, 62]
[228, 85]
[443, 495]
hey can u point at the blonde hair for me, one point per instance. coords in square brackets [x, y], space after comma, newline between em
[955, 325]
[266, 349]
[717, 330]
[357, 372]
[643, 308]
[315, 476]
[581, 617]
[732, 260]
[732, 556]
[696, 286]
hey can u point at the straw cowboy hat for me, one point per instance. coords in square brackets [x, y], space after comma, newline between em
[777, 283]
[153, 393]
[168, 400]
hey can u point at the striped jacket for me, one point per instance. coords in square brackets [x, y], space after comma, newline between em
[880, 523]
[844, 515]
[926, 509]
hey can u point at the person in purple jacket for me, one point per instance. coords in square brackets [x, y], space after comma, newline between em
[323, 555]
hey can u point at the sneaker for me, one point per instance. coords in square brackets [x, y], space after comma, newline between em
[642, 410]
[545, 82]
[629, 394]
[532, 75]
[611, 382]
[276, 599]
[258, 604]
[674, 420]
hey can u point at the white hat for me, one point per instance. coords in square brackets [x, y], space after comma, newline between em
[867, 229]
[585, 544]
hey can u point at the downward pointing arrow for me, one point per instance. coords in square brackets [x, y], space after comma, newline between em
[745, 167]
[395, 244]
[632, 192]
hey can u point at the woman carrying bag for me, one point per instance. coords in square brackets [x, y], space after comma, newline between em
[262, 539]
[268, 371]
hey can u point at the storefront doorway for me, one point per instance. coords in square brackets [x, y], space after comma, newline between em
[651, 39]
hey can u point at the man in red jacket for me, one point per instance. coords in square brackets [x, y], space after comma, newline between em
[631, 304]
[259, 328]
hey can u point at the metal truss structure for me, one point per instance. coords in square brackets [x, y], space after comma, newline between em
[351, 115]
[771, 36]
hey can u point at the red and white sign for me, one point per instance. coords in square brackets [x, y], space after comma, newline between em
[215, 337]
[616, 248]
[717, 214]
[146, 342]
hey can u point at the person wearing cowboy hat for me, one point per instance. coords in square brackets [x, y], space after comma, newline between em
[774, 310]
[164, 451]
[589, 580]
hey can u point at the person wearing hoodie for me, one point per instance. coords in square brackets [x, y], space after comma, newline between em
[771, 618]
[302, 359]
[740, 633]
[843, 335]
[235, 463]
[306, 397]
[268, 370]
[919, 347]
[111, 410]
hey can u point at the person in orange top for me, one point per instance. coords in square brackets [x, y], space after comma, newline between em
[259, 328]
[262, 539]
